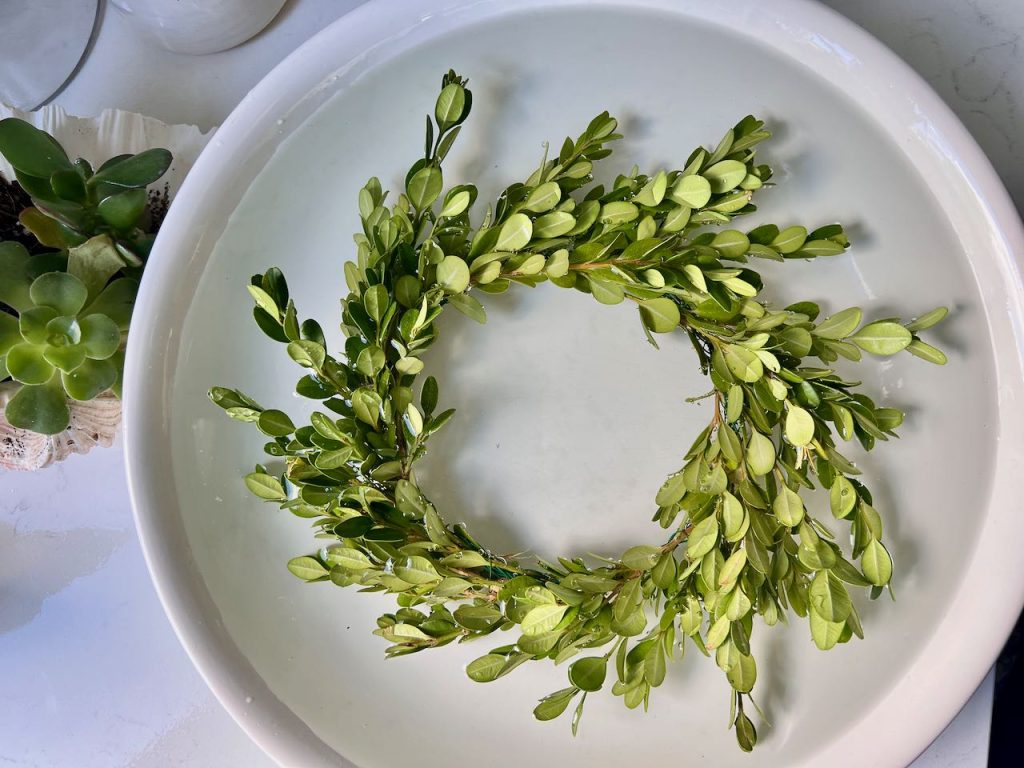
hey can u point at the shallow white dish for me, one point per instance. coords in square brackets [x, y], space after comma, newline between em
[859, 139]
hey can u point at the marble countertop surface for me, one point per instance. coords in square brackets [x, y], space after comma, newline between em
[92, 674]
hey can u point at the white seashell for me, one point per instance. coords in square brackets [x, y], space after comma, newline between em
[93, 423]
[114, 132]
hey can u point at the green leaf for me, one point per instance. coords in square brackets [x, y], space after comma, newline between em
[671, 491]
[702, 538]
[375, 300]
[928, 319]
[89, 379]
[27, 364]
[882, 338]
[692, 191]
[876, 563]
[588, 674]
[799, 426]
[453, 274]
[542, 618]
[661, 315]
[122, 211]
[66, 358]
[788, 507]
[746, 734]
[425, 187]
[136, 171]
[840, 325]
[744, 364]
[927, 352]
[264, 486]
[554, 705]
[743, 674]
[641, 557]
[825, 633]
[829, 598]
[307, 568]
[451, 103]
[515, 233]
[100, 336]
[486, 668]
[116, 302]
[468, 306]
[41, 408]
[607, 292]
[307, 353]
[95, 261]
[417, 570]
[367, 405]
[64, 293]
[725, 175]
[790, 239]
[732, 569]
[275, 423]
[760, 454]
[619, 212]
[30, 150]
[842, 497]
[349, 558]
[543, 198]
[554, 224]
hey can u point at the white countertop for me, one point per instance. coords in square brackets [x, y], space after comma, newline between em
[93, 676]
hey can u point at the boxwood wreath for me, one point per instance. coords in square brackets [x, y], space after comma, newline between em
[740, 541]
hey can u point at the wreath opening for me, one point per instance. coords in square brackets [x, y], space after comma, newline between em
[736, 539]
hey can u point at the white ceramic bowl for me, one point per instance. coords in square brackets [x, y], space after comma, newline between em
[568, 420]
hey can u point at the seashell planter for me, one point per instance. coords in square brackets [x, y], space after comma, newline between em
[93, 422]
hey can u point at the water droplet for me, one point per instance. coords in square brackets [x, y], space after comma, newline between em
[248, 699]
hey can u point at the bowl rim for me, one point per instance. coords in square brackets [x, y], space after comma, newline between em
[268, 721]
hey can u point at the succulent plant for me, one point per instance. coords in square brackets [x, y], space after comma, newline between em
[64, 314]
[64, 342]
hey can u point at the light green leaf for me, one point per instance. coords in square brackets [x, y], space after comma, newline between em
[928, 319]
[693, 191]
[660, 315]
[790, 239]
[64, 293]
[725, 175]
[744, 364]
[453, 274]
[799, 426]
[788, 507]
[760, 454]
[307, 568]
[743, 674]
[468, 306]
[829, 598]
[927, 352]
[882, 338]
[876, 563]
[266, 487]
[542, 618]
[417, 570]
[41, 408]
[840, 325]
[515, 233]
[367, 404]
[425, 187]
[641, 557]
[486, 668]
[702, 538]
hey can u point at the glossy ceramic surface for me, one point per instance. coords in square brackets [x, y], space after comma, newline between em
[547, 434]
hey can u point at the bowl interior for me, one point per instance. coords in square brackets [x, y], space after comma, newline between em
[567, 420]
